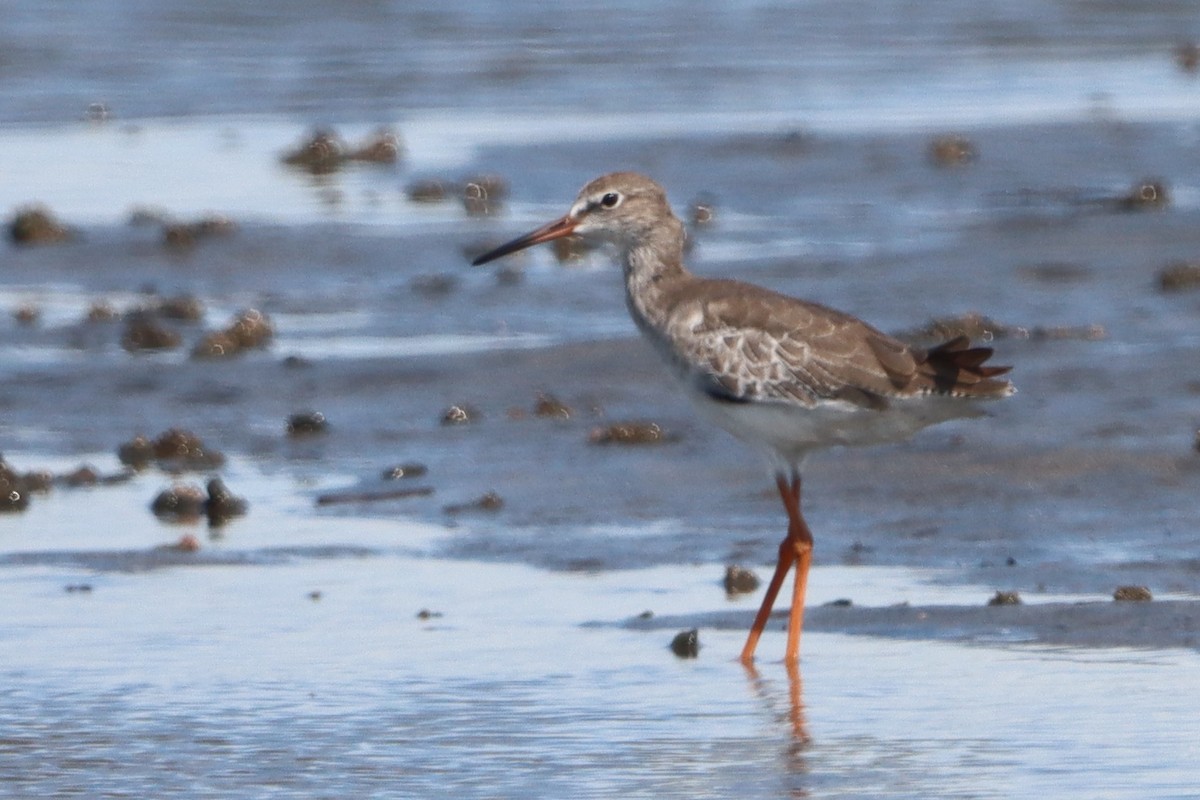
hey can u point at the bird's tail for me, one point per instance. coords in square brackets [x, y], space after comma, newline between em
[957, 368]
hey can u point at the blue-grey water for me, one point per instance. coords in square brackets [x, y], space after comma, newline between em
[287, 657]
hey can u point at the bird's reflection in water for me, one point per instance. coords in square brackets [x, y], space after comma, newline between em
[795, 753]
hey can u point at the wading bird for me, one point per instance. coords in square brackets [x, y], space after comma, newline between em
[786, 376]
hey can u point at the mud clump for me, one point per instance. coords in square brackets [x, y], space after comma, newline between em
[951, 150]
[549, 406]
[631, 433]
[405, 471]
[381, 147]
[185, 503]
[38, 481]
[348, 498]
[27, 315]
[308, 423]
[427, 191]
[1132, 594]
[686, 644]
[182, 503]
[248, 330]
[222, 505]
[100, 311]
[702, 212]
[324, 151]
[1147, 195]
[490, 502]
[144, 331]
[1180, 276]
[14, 495]
[460, 415]
[251, 329]
[175, 450]
[1187, 57]
[1005, 599]
[82, 476]
[739, 580]
[484, 195]
[36, 225]
[183, 235]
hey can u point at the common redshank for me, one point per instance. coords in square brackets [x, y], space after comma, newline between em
[784, 375]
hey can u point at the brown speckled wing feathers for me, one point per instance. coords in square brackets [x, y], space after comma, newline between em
[744, 343]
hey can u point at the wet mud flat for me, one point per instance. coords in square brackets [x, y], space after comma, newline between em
[1081, 483]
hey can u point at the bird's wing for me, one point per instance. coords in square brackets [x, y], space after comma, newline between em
[743, 343]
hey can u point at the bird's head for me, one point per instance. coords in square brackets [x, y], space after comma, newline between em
[620, 208]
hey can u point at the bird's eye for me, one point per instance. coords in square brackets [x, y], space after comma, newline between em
[610, 200]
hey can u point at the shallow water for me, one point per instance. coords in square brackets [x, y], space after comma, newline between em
[217, 673]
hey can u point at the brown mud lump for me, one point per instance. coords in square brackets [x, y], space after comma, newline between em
[145, 332]
[404, 471]
[1187, 56]
[27, 314]
[307, 423]
[490, 501]
[686, 644]
[1180, 276]
[739, 580]
[251, 328]
[381, 147]
[175, 449]
[1132, 594]
[13, 494]
[630, 433]
[1146, 195]
[547, 405]
[187, 234]
[321, 154]
[702, 212]
[426, 191]
[459, 415]
[36, 225]
[83, 475]
[222, 505]
[483, 195]
[1005, 599]
[951, 150]
[182, 502]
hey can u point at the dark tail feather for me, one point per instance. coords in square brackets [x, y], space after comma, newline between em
[956, 367]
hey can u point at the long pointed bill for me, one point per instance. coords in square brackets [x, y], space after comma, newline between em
[564, 226]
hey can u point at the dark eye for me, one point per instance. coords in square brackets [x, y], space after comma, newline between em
[610, 200]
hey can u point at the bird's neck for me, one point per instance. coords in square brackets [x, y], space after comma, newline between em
[653, 266]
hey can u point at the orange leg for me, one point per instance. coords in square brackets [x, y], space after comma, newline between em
[796, 548]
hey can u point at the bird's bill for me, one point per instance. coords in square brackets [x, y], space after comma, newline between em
[561, 227]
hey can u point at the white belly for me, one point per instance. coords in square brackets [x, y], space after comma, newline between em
[788, 432]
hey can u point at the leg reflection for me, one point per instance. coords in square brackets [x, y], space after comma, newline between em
[796, 703]
[794, 714]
